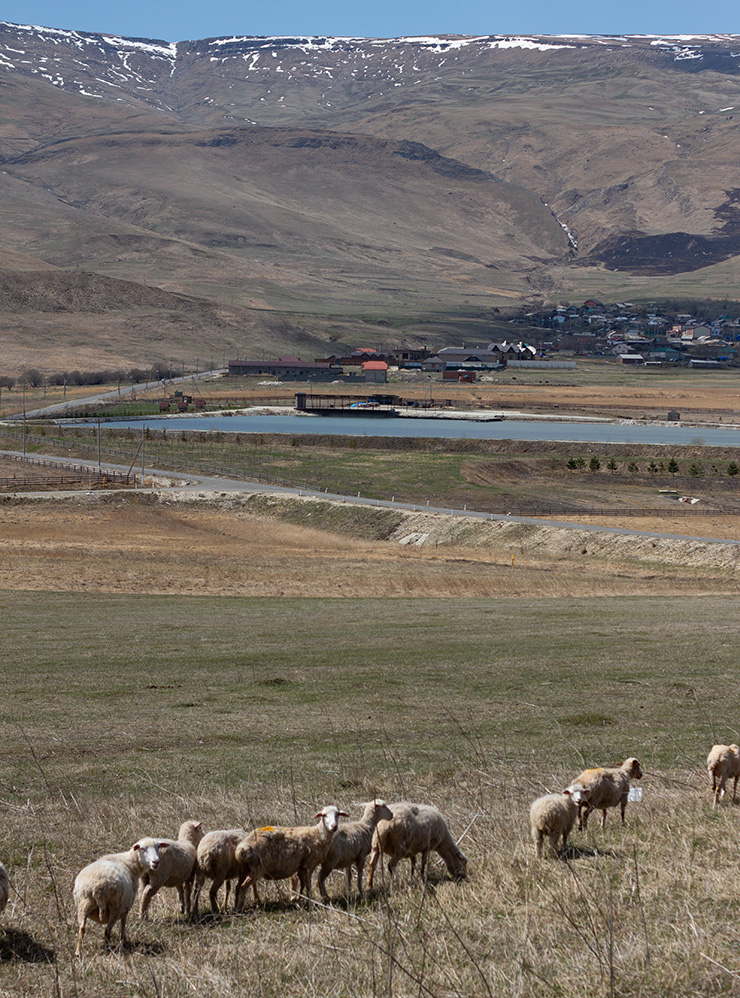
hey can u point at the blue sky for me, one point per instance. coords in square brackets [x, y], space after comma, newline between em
[179, 20]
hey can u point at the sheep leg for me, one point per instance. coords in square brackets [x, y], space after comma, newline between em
[565, 842]
[603, 817]
[181, 895]
[349, 883]
[553, 837]
[228, 891]
[123, 930]
[323, 874]
[199, 881]
[213, 895]
[80, 934]
[374, 857]
[538, 843]
[360, 865]
[424, 857]
[720, 791]
[109, 923]
[305, 878]
[146, 899]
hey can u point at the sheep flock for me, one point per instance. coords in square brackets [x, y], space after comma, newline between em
[105, 890]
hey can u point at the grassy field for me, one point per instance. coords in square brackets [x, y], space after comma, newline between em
[124, 715]
[495, 476]
[168, 659]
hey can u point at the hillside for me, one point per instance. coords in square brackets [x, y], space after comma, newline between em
[397, 187]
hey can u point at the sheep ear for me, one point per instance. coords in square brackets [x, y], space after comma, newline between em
[343, 814]
[164, 845]
[566, 793]
[136, 847]
[198, 824]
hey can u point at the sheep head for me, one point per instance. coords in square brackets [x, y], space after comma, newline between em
[329, 817]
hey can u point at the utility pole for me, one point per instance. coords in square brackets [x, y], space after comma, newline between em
[142, 455]
[99, 467]
[24, 419]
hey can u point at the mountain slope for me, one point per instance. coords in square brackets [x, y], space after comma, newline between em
[331, 181]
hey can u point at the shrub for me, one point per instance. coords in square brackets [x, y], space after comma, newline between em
[732, 469]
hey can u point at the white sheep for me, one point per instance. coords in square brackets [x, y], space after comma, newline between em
[217, 860]
[603, 788]
[176, 867]
[723, 763]
[4, 887]
[414, 829]
[553, 817]
[105, 890]
[277, 853]
[350, 846]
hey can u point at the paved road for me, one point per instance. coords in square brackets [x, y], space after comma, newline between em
[195, 483]
[61, 407]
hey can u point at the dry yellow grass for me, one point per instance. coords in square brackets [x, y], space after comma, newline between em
[122, 543]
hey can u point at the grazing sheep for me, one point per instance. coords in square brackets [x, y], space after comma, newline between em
[278, 853]
[723, 763]
[105, 890]
[351, 846]
[553, 817]
[176, 867]
[415, 828]
[4, 887]
[217, 861]
[603, 788]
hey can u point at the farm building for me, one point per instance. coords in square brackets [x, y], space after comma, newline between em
[287, 369]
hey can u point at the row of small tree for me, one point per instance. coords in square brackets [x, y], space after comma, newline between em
[33, 378]
[696, 469]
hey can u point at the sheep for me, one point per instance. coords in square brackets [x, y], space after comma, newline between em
[415, 828]
[216, 859]
[176, 867]
[105, 890]
[276, 853]
[4, 887]
[351, 845]
[553, 817]
[723, 763]
[603, 788]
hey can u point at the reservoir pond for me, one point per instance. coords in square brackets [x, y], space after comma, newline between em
[451, 429]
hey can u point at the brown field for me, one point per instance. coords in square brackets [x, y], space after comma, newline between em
[594, 385]
[269, 546]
